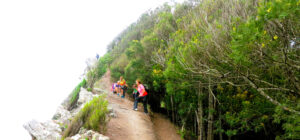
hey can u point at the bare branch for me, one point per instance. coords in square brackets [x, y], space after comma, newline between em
[261, 92]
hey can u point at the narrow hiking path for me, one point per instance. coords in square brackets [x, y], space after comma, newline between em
[134, 125]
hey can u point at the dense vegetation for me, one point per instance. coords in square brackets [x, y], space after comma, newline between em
[219, 69]
[92, 116]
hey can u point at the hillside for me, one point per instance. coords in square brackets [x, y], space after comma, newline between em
[217, 69]
[212, 70]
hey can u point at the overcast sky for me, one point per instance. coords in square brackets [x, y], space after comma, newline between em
[43, 47]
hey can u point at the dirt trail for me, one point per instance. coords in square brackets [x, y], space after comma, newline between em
[134, 125]
[163, 128]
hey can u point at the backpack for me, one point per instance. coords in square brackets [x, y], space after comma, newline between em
[146, 88]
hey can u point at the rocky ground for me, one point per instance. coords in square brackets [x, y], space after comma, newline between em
[52, 129]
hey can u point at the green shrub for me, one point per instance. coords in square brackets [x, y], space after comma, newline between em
[83, 83]
[75, 94]
[91, 116]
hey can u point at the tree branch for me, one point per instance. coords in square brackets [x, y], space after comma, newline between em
[261, 92]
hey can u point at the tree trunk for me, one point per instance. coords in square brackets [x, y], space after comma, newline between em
[173, 114]
[220, 123]
[195, 124]
[210, 135]
[199, 115]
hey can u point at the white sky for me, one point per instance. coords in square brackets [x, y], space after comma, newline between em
[43, 47]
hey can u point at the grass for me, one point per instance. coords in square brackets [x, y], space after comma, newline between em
[89, 89]
[92, 116]
[75, 94]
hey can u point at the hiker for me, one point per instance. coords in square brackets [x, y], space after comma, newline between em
[123, 86]
[135, 94]
[142, 96]
[118, 86]
[114, 88]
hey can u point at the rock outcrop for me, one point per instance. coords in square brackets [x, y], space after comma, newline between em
[43, 131]
[62, 115]
[85, 96]
[51, 130]
[83, 134]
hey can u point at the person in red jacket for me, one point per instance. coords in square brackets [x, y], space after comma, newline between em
[142, 96]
